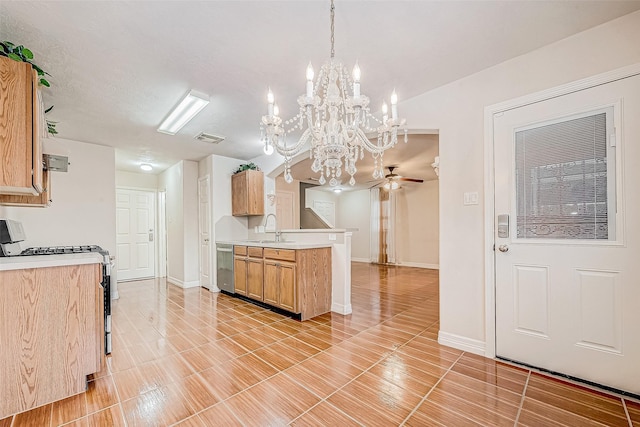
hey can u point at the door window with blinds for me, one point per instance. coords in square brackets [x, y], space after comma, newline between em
[565, 178]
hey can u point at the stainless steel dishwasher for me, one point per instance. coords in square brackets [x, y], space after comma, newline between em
[224, 267]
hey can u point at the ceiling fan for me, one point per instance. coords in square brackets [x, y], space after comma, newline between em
[392, 180]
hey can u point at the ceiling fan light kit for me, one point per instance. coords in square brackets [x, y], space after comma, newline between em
[186, 110]
[334, 117]
[392, 180]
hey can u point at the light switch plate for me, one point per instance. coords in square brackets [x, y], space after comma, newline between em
[471, 198]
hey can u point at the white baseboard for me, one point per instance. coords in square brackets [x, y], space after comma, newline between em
[182, 284]
[341, 308]
[420, 265]
[360, 260]
[191, 284]
[462, 343]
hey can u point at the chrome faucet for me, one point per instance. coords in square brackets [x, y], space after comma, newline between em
[275, 221]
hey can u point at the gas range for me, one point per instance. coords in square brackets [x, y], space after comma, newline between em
[63, 250]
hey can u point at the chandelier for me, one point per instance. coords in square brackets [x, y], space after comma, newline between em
[334, 118]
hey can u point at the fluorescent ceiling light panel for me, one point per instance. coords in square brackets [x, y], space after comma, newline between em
[190, 105]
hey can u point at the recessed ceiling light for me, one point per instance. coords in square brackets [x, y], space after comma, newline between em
[146, 167]
[337, 190]
[190, 105]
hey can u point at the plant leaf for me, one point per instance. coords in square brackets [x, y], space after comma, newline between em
[43, 82]
[27, 53]
[48, 109]
[9, 44]
[14, 57]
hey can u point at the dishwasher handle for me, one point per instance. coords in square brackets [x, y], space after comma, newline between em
[224, 249]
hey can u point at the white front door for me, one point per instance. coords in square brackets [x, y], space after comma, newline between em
[204, 215]
[567, 241]
[135, 234]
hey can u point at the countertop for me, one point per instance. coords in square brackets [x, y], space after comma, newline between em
[277, 245]
[42, 261]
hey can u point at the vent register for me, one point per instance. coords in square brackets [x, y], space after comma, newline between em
[208, 137]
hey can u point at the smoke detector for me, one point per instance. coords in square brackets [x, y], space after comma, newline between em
[210, 138]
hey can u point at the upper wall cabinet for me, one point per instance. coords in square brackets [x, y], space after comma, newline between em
[42, 200]
[20, 147]
[247, 193]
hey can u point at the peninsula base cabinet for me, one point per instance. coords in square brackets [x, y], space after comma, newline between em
[298, 281]
[280, 285]
[51, 334]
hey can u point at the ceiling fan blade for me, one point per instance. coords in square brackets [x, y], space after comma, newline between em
[411, 179]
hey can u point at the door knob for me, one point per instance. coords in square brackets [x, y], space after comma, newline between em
[503, 248]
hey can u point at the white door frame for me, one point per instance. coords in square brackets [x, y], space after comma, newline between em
[489, 181]
[212, 285]
[161, 228]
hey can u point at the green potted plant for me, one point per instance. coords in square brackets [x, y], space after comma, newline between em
[246, 166]
[22, 54]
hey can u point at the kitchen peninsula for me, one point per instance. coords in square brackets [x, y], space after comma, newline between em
[317, 262]
[288, 276]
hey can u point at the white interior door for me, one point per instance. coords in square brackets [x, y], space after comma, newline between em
[285, 210]
[567, 287]
[204, 230]
[135, 229]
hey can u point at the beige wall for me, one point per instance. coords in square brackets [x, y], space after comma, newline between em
[83, 211]
[145, 181]
[353, 215]
[180, 182]
[457, 110]
[417, 225]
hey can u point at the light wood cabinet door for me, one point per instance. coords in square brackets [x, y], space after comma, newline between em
[239, 197]
[51, 334]
[42, 200]
[287, 289]
[271, 274]
[21, 165]
[280, 285]
[240, 275]
[255, 276]
[247, 193]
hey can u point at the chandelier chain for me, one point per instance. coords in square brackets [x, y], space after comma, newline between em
[333, 8]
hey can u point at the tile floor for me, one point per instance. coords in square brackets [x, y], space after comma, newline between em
[194, 358]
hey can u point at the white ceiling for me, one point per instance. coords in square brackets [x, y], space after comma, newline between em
[118, 67]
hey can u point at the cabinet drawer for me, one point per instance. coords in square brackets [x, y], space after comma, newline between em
[240, 250]
[255, 252]
[283, 254]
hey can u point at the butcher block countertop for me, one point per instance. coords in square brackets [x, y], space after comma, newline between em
[40, 261]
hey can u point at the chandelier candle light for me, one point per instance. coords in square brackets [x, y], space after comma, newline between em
[337, 123]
